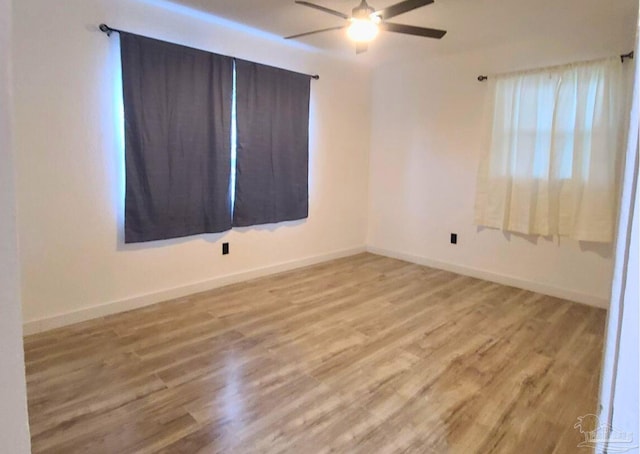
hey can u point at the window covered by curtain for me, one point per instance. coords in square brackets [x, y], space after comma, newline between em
[177, 106]
[553, 163]
[272, 145]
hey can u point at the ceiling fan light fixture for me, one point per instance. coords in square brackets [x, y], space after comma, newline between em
[364, 30]
[365, 22]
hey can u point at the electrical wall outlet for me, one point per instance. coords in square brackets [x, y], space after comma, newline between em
[225, 248]
[454, 238]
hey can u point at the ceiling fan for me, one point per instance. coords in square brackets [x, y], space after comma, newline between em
[365, 22]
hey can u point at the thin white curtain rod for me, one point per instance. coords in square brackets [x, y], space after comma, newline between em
[623, 57]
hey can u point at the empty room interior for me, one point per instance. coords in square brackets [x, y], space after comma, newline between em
[306, 227]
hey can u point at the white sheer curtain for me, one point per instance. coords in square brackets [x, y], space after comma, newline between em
[556, 142]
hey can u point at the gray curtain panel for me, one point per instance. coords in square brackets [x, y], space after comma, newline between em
[177, 109]
[272, 162]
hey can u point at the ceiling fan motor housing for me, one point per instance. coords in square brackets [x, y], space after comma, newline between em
[362, 11]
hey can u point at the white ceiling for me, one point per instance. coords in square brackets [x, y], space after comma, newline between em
[471, 24]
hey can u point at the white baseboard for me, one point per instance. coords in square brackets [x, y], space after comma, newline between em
[512, 281]
[81, 315]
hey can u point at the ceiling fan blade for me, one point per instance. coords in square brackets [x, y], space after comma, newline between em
[401, 8]
[411, 30]
[322, 8]
[361, 48]
[316, 31]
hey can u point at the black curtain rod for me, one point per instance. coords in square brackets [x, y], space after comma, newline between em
[108, 30]
[623, 57]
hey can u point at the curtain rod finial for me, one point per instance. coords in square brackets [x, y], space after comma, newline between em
[482, 78]
[105, 29]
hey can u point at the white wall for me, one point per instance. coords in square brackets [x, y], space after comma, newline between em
[627, 380]
[428, 132]
[70, 162]
[14, 428]
[620, 370]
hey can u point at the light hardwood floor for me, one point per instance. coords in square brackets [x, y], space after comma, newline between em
[360, 355]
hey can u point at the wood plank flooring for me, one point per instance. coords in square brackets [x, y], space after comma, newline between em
[359, 355]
